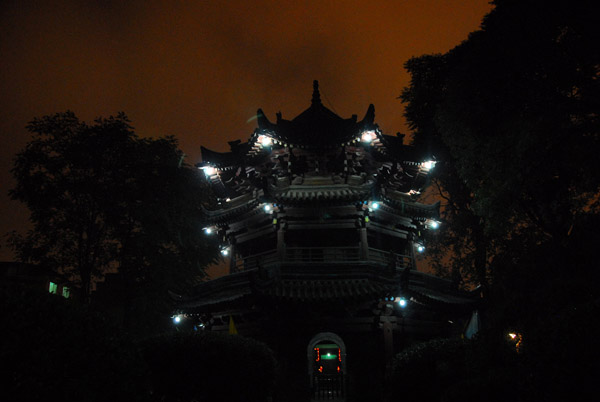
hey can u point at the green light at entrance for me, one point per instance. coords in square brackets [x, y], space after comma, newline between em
[327, 351]
[329, 356]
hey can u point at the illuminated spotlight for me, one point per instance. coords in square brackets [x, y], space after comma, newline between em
[375, 205]
[267, 208]
[367, 136]
[434, 224]
[209, 170]
[512, 335]
[208, 230]
[265, 140]
[225, 251]
[428, 165]
[177, 319]
[402, 302]
[420, 248]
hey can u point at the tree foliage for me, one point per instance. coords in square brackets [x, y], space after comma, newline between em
[512, 114]
[460, 248]
[104, 200]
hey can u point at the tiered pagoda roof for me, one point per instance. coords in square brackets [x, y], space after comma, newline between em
[316, 127]
[317, 156]
[319, 209]
[350, 286]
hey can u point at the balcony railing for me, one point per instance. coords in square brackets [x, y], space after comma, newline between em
[254, 261]
[334, 255]
[324, 255]
[385, 257]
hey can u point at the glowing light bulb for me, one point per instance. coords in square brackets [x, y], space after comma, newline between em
[428, 165]
[267, 208]
[208, 231]
[420, 248]
[367, 136]
[375, 205]
[434, 224]
[265, 140]
[209, 170]
[402, 302]
[177, 319]
[225, 251]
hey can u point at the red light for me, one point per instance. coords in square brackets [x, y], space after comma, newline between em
[339, 356]
[318, 354]
[338, 369]
[320, 369]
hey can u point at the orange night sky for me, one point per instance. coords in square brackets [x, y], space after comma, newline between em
[200, 70]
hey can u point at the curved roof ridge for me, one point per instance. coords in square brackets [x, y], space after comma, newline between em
[317, 125]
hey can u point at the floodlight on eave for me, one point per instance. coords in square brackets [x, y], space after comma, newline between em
[402, 302]
[264, 140]
[432, 224]
[367, 136]
[208, 170]
[428, 165]
[270, 208]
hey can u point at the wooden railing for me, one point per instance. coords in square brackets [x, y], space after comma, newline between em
[320, 255]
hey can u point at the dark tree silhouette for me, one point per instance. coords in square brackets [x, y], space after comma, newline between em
[512, 116]
[512, 113]
[461, 243]
[104, 200]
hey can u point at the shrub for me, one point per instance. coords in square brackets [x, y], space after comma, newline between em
[423, 370]
[207, 366]
[454, 370]
[562, 352]
[54, 348]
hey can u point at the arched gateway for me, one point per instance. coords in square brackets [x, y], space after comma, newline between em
[326, 358]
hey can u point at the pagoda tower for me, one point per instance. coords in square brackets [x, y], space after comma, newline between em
[320, 220]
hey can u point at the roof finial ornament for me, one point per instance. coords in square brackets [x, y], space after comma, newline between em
[316, 97]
